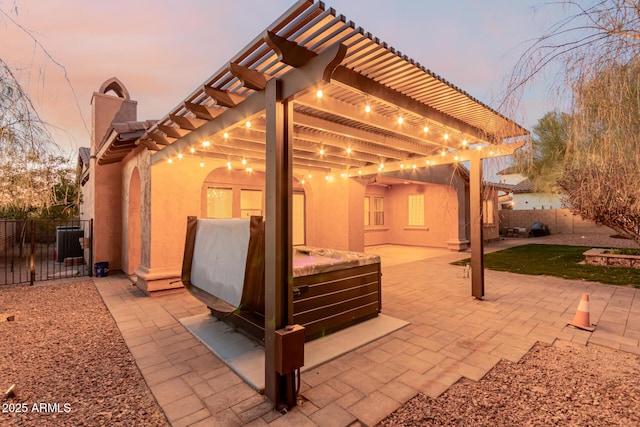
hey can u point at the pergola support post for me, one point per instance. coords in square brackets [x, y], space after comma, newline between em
[278, 266]
[477, 244]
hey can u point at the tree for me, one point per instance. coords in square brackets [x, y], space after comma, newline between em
[543, 160]
[598, 46]
[32, 169]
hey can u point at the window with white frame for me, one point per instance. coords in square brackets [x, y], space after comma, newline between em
[250, 203]
[378, 211]
[416, 210]
[219, 202]
[488, 215]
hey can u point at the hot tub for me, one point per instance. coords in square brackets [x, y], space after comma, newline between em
[331, 289]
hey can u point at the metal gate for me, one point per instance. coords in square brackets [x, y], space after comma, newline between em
[35, 250]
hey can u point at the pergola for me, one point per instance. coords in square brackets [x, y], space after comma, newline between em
[314, 94]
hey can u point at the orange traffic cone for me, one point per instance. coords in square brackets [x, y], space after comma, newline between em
[581, 320]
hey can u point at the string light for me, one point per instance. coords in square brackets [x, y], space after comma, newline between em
[322, 151]
[319, 93]
[206, 143]
[170, 160]
[248, 124]
[425, 129]
[428, 161]
[249, 169]
[201, 164]
[446, 136]
[455, 158]
[400, 120]
[229, 165]
[442, 153]
[402, 166]
[302, 181]
[367, 108]
[381, 165]
[226, 135]
[193, 150]
[309, 176]
[348, 150]
[360, 172]
[413, 166]
[244, 162]
[464, 142]
[180, 156]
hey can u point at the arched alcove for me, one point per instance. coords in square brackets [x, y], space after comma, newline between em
[134, 233]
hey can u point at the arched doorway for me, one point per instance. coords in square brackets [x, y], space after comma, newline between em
[134, 234]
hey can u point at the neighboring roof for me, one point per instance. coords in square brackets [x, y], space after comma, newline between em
[84, 155]
[120, 139]
[511, 170]
[524, 186]
[368, 71]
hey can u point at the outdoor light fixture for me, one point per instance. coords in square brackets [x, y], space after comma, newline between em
[367, 107]
[359, 172]
[226, 135]
[479, 148]
[229, 165]
[170, 160]
[180, 156]
[249, 169]
[206, 143]
[201, 164]
[442, 153]
[464, 142]
[413, 166]
[302, 181]
[428, 161]
[322, 151]
[455, 158]
[446, 136]
[425, 129]
[244, 161]
[401, 165]
[400, 120]
[193, 150]
[248, 124]
[319, 93]
[348, 150]
[381, 165]
[309, 176]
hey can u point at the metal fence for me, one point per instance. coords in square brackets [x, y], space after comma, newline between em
[35, 250]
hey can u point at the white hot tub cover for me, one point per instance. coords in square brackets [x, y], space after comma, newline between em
[220, 255]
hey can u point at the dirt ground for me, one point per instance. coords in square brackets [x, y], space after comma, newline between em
[68, 361]
[562, 384]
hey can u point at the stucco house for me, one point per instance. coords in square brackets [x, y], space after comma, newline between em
[521, 195]
[376, 145]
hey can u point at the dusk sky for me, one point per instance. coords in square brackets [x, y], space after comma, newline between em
[162, 50]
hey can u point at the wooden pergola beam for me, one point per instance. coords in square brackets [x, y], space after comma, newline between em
[159, 138]
[149, 144]
[172, 131]
[249, 78]
[186, 123]
[202, 112]
[359, 82]
[288, 52]
[224, 98]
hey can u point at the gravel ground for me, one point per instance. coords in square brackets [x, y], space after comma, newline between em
[562, 384]
[68, 361]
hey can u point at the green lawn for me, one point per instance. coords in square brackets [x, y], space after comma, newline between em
[558, 261]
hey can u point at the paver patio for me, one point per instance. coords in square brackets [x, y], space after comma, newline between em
[451, 335]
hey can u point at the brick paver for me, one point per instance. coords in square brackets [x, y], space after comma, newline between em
[451, 336]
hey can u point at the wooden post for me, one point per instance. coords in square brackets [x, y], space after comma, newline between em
[278, 267]
[477, 245]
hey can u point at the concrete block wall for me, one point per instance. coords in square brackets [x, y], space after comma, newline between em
[560, 221]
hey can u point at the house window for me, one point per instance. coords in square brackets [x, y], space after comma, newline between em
[378, 211]
[250, 203]
[367, 210]
[219, 202]
[416, 210]
[487, 212]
